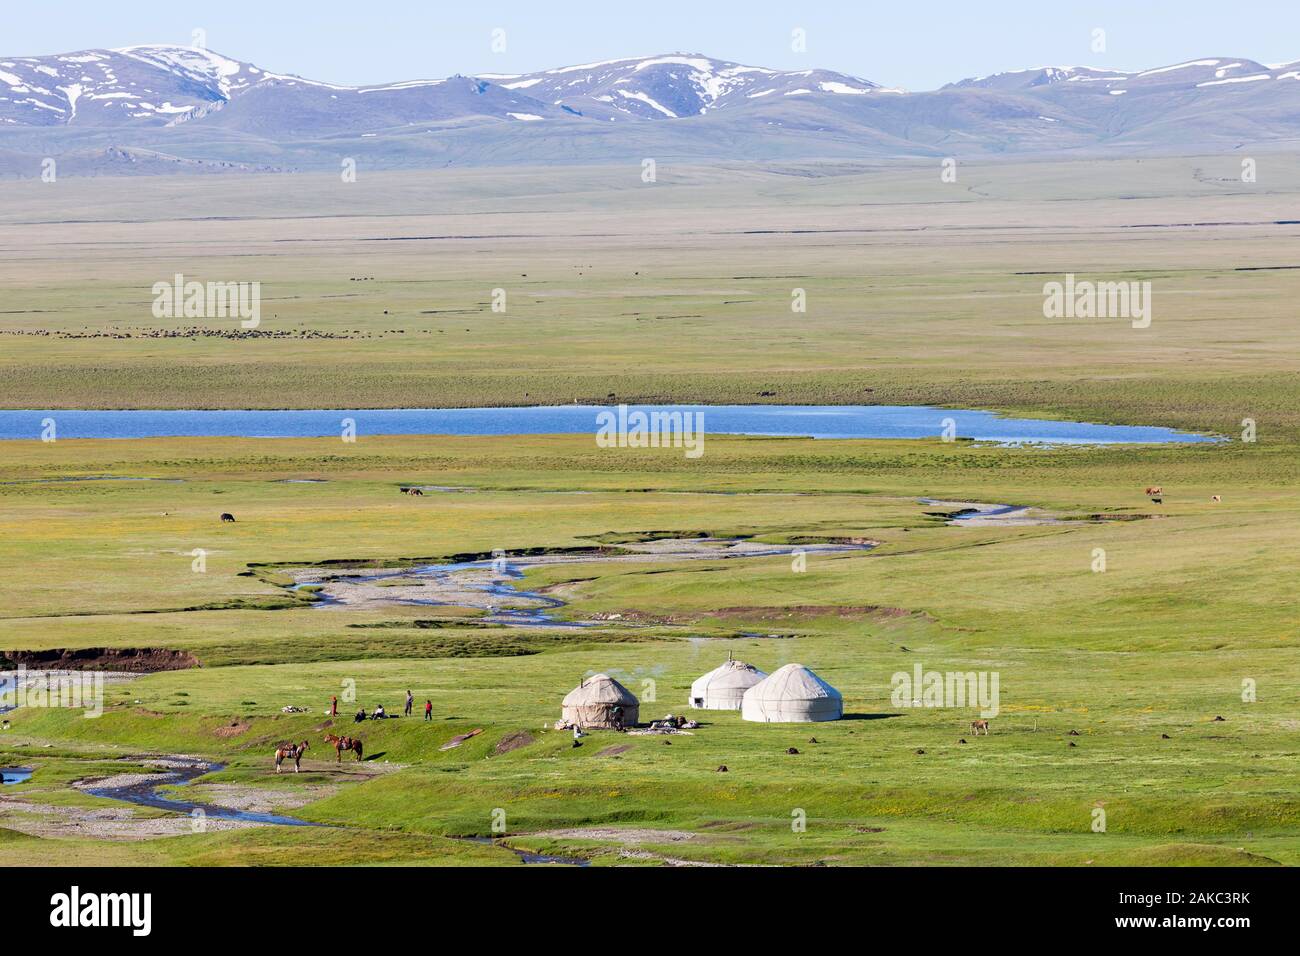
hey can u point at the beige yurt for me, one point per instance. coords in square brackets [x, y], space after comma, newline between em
[792, 694]
[592, 703]
[723, 687]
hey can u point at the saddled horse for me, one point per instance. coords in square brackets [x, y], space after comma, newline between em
[344, 743]
[292, 752]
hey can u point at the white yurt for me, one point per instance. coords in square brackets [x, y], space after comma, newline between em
[592, 703]
[792, 694]
[723, 687]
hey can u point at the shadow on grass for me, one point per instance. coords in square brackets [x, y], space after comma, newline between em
[869, 716]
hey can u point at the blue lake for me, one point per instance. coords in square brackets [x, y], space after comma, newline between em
[824, 421]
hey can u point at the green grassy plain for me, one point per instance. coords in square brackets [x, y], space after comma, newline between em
[918, 292]
[1158, 644]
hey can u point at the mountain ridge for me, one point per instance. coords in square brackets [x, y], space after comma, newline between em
[196, 105]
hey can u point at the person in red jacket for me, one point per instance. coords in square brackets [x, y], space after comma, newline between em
[428, 710]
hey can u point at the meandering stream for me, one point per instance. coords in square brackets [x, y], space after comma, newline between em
[144, 792]
[486, 585]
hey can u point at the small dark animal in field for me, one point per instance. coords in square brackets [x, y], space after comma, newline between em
[1165, 737]
[1154, 490]
[292, 752]
[1073, 733]
[962, 741]
[812, 740]
[1073, 744]
[791, 750]
[1157, 501]
[227, 516]
[1215, 498]
[722, 769]
[412, 491]
[977, 725]
[1218, 719]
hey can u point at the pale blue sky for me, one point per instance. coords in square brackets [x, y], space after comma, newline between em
[916, 44]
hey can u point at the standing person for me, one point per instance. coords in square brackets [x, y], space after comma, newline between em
[428, 710]
[334, 706]
[410, 699]
[577, 736]
[618, 716]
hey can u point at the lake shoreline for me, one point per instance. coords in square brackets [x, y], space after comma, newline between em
[818, 422]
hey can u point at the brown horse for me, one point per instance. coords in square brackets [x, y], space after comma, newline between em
[293, 752]
[344, 743]
[977, 725]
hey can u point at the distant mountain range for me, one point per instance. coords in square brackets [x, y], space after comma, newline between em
[165, 108]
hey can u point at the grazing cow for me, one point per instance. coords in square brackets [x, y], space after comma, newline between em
[1215, 498]
[977, 725]
[293, 752]
[412, 491]
[1157, 501]
[227, 516]
[1154, 490]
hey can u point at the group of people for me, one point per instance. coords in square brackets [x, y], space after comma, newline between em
[379, 713]
[674, 722]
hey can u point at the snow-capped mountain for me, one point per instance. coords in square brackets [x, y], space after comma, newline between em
[150, 86]
[1194, 74]
[135, 86]
[176, 108]
[169, 85]
[674, 86]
